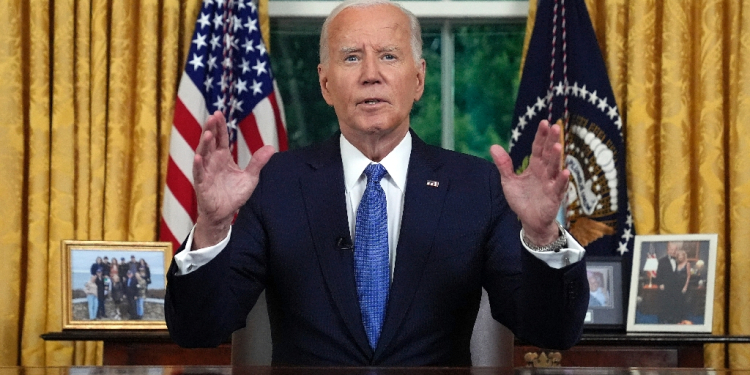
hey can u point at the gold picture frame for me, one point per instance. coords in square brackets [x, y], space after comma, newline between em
[95, 296]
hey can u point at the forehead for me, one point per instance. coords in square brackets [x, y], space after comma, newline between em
[381, 25]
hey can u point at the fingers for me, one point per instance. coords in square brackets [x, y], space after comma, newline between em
[259, 160]
[547, 149]
[561, 183]
[222, 134]
[552, 151]
[198, 173]
[537, 147]
[214, 135]
[502, 161]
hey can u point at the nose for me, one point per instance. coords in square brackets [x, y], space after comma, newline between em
[370, 70]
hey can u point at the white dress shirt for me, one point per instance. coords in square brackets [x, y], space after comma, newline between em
[396, 163]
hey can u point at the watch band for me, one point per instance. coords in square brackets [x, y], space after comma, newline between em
[555, 246]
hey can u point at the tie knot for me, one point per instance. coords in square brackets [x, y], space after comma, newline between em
[374, 173]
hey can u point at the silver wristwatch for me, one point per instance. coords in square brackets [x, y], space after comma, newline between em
[555, 246]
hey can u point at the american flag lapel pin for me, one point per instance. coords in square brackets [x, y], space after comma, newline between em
[433, 183]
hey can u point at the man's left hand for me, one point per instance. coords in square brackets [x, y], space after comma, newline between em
[536, 194]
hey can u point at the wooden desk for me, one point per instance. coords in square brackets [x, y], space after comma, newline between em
[594, 350]
[635, 350]
[123, 347]
[225, 370]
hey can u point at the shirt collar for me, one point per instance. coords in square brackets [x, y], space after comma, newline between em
[396, 162]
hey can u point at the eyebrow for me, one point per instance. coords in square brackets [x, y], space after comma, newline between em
[345, 50]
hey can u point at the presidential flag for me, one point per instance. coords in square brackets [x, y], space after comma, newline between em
[228, 69]
[565, 81]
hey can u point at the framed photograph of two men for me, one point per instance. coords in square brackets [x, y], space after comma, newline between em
[114, 285]
[672, 283]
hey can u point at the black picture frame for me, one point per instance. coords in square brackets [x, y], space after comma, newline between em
[606, 311]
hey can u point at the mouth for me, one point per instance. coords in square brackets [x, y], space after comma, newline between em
[372, 101]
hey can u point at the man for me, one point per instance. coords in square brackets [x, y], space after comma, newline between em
[123, 267]
[669, 285]
[131, 294]
[133, 265]
[301, 230]
[598, 296]
[101, 293]
[106, 266]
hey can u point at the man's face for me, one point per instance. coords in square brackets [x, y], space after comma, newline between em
[371, 78]
[593, 283]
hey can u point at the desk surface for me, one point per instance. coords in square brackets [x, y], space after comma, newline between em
[227, 370]
[586, 339]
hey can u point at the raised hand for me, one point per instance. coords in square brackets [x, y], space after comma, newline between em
[536, 194]
[221, 186]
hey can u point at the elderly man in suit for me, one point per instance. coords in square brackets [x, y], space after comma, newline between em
[434, 225]
[670, 285]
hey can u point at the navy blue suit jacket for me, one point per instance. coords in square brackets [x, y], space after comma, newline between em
[455, 238]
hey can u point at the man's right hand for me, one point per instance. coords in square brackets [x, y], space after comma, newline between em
[221, 186]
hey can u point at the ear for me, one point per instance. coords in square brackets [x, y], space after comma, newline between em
[323, 81]
[421, 71]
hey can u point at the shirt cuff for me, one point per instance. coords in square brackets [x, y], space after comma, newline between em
[572, 253]
[191, 260]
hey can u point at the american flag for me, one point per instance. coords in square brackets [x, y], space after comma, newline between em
[228, 69]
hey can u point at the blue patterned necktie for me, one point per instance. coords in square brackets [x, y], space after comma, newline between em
[371, 266]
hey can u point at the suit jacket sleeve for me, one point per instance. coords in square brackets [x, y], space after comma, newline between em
[541, 305]
[204, 307]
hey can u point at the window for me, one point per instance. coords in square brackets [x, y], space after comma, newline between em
[473, 53]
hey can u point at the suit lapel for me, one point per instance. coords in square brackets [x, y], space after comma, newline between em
[423, 206]
[325, 201]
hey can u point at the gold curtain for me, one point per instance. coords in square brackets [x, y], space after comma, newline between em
[680, 71]
[87, 97]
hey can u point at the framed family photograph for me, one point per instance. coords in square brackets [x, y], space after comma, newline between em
[606, 309]
[672, 283]
[114, 285]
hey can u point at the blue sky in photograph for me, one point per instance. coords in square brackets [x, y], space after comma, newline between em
[81, 261]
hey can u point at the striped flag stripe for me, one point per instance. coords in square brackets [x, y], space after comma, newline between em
[279, 120]
[185, 197]
[181, 154]
[178, 222]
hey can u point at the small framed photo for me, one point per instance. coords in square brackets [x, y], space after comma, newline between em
[114, 285]
[672, 283]
[606, 309]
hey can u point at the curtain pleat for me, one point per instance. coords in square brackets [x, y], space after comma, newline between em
[88, 93]
[737, 24]
[36, 280]
[12, 202]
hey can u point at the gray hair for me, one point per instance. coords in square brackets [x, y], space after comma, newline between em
[416, 30]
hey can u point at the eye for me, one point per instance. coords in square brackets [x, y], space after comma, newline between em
[389, 56]
[350, 58]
